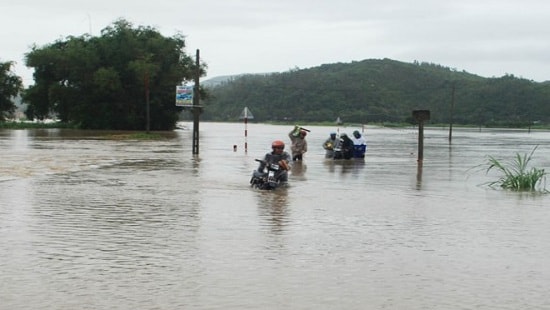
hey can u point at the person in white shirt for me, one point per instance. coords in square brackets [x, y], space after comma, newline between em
[359, 145]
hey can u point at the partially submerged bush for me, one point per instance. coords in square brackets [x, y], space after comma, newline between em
[517, 175]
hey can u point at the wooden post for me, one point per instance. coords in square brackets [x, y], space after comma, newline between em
[421, 116]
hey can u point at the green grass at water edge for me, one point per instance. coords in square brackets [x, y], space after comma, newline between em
[516, 174]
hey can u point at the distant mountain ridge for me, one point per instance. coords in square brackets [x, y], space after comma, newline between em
[378, 90]
[217, 80]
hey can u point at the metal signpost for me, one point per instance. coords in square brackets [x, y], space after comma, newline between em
[188, 97]
[246, 114]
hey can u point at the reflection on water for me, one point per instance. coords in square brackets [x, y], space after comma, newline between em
[298, 170]
[343, 167]
[273, 208]
[419, 166]
[90, 222]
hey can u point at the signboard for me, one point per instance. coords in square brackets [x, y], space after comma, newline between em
[421, 115]
[184, 95]
[246, 114]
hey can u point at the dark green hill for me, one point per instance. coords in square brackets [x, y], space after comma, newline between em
[384, 90]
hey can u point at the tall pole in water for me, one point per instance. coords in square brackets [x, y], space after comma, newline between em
[451, 116]
[147, 109]
[196, 108]
[245, 135]
[420, 116]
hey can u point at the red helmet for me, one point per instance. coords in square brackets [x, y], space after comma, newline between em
[277, 144]
[303, 132]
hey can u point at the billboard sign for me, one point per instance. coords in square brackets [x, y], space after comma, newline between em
[184, 95]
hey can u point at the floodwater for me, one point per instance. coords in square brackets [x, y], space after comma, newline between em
[88, 223]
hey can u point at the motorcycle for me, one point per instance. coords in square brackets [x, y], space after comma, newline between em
[268, 179]
[338, 153]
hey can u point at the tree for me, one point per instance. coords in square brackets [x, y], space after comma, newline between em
[100, 82]
[10, 86]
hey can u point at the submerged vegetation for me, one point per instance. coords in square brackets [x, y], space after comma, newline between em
[516, 174]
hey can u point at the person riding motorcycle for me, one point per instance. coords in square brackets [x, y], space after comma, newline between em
[277, 156]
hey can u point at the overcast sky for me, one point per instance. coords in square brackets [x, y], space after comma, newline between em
[489, 38]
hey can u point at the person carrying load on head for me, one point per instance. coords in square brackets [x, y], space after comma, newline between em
[298, 142]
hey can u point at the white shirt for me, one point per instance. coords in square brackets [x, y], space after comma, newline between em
[359, 141]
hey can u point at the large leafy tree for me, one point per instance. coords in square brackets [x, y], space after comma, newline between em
[10, 86]
[105, 82]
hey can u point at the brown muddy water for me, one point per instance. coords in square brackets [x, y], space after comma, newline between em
[88, 223]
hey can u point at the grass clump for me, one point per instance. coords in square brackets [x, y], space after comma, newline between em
[516, 174]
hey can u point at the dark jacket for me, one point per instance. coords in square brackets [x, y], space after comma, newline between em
[273, 159]
[347, 146]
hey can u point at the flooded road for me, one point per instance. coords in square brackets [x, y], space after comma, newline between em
[88, 223]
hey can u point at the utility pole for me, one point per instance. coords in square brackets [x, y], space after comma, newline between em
[196, 107]
[452, 110]
[147, 110]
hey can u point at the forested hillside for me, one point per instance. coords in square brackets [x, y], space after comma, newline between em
[380, 91]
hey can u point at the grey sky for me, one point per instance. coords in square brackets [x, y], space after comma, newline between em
[484, 37]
